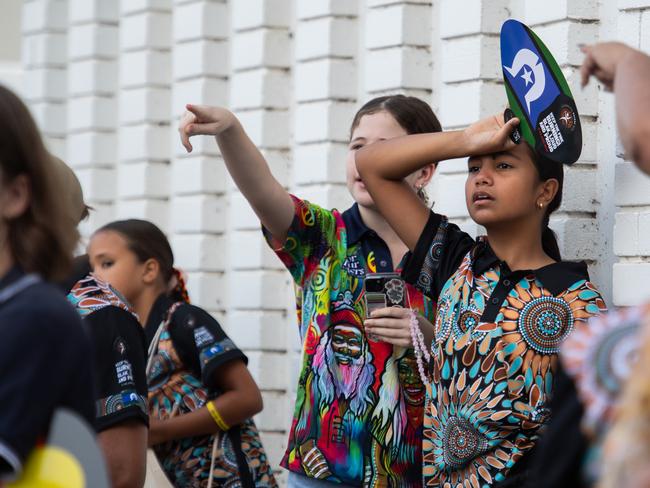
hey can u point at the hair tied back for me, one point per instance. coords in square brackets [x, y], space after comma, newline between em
[177, 286]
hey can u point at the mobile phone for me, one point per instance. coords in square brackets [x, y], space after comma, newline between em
[384, 290]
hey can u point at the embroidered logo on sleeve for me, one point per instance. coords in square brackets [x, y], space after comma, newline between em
[114, 403]
[221, 347]
[124, 373]
[202, 337]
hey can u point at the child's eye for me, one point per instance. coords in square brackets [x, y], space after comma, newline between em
[473, 169]
[504, 166]
[356, 147]
[106, 264]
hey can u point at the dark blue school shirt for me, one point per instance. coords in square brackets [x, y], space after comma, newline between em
[45, 364]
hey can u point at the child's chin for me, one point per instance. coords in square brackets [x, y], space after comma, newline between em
[483, 218]
[364, 199]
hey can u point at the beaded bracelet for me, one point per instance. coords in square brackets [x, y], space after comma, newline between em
[419, 346]
[216, 416]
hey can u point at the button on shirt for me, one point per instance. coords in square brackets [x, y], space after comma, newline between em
[497, 335]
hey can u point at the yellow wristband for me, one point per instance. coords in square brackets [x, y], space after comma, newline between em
[216, 416]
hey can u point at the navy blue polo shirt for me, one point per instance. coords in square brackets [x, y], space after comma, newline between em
[119, 351]
[373, 247]
[45, 364]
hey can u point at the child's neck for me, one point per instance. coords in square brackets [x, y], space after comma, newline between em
[519, 245]
[144, 303]
[375, 221]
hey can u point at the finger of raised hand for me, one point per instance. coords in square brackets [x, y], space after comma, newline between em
[186, 120]
[587, 68]
[198, 129]
[202, 112]
[506, 130]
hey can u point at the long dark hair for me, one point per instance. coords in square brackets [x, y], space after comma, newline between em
[147, 241]
[415, 116]
[43, 238]
[547, 170]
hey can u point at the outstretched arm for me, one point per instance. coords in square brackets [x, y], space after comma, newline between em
[625, 71]
[385, 164]
[248, 168]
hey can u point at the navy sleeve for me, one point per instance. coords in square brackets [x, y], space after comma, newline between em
[120, 364]
[201, 342]
[437, 255]
[45, 363]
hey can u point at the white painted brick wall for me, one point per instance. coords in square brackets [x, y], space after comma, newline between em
[251, 14]
[326, 36]
[107, 80]
[88, 11]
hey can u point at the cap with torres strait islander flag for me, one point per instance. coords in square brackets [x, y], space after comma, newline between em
[539, 95]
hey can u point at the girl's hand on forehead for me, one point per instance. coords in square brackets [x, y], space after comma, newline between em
[203, 120]
[489, 135]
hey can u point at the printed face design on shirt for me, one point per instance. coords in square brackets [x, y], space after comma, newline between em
[342, 362]
[410, 381]
[346, 343]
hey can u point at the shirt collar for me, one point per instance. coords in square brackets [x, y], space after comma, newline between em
[12, 275]
[156, 316]
[354, 225]
[556, 277]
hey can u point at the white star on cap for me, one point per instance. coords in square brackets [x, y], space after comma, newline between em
[527, 77]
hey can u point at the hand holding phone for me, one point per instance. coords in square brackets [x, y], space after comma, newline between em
[384, 290]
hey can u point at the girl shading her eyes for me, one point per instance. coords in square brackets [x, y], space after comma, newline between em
[506, 301]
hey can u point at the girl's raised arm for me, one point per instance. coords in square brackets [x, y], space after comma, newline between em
[384, 165]
[248, 168]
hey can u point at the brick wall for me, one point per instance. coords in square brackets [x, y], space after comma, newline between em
[107, 80]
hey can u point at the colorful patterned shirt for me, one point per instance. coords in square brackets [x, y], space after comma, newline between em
[599, 360]
[190, 349]
[497, 335]
[358, 413]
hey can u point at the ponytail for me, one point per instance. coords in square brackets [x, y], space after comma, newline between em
[549, 241]
[547, 170]
[178, 289]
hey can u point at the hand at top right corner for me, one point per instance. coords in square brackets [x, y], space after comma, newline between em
[203, 120]
[601, 61]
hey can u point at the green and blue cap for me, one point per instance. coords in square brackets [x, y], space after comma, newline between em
[539, 96]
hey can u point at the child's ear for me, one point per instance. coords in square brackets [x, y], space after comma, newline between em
[425, 175]
[151, 271]
[16, 196]
[549, 190]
